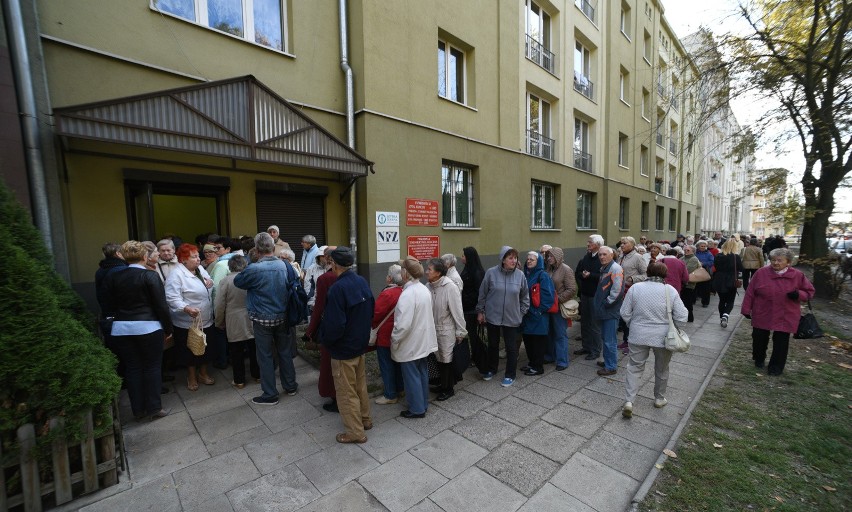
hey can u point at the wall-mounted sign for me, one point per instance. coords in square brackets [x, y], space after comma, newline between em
[421, 212]
[387, 237]
[424, 247]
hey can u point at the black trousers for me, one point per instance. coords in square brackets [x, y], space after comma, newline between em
[238, 350]
[687, 295]
[448, 376]
[478, 350]
[142, 356]
[536, 344]
[726, 301]
[510, 339]
[702, 291]
[780, 345]
[747, 273]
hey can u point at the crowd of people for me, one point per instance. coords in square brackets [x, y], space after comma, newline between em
[234, 291]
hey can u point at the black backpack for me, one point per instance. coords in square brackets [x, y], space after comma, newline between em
[297, 299]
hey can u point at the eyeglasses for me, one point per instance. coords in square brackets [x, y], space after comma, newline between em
[217, 248]
[209, 252]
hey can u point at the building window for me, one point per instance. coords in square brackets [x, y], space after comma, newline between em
[622, 150]
[625, 20]
[538, 47]
[539, 142]
[583, 70]
[675, 101]
[672, 219]
[585, 210]
[661, 80]
[661, 212]
[582, 158]
[647, 48]
[643, 160]
[688, 222]
[673, 136]
[689, 182]
[543, 206]
[259, 21]
[643, 221]
[587, 7]
[646, 104]
[623, 213]
[624, 86]
[661, 129]
[451, 72]
[672, 180]
[457, 195]
[659, 177]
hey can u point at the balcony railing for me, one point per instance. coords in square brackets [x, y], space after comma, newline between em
[672, 147]
[660, 139]
[658, 185]
[671, 189]
[539, 145]
[539, 54]
[582, 160]
[587, 8]
[584, 86]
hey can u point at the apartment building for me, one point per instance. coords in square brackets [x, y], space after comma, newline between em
[483, 124]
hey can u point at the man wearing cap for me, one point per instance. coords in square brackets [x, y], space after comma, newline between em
[274, 232]
[345, 332]
[325, 384]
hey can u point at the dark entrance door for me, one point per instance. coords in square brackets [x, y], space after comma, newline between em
[296, 215]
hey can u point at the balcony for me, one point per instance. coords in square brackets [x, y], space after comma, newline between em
[539, 54]
[539, 145]
[587, 8]
[660, 139]
[584, 86]
[582, 160]
[671, 189]
[675, 104]
[661, 89]
[658, 185]
[672, 146]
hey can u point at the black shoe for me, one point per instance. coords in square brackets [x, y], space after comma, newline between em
[581, 352]
[601, 364]
[445, 395]
[436, 389]
[530, 372]
[591, 357]
[758, 364]
[331, 406]
[561, 368]
[525, 369]
[410, 415]
[259, 400]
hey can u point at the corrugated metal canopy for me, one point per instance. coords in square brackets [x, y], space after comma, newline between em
[237, 118]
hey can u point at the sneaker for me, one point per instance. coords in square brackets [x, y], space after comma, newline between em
[259, 400]
[237, 385]
[529, 372]
[627, 410]
[292, 392]
[487, 375]
[724, 321]
[603, 372]
[560, 368]
[386, 401]
[660, 403]
[506, 382]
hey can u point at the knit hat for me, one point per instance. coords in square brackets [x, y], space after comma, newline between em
[412, 266]
[343, 256]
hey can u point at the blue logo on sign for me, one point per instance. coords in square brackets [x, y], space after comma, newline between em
[382, 218]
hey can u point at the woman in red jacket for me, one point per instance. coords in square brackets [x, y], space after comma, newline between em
[383, 315]
[772, 302]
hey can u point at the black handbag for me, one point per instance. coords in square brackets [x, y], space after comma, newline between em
[461, 358]
[808, 326]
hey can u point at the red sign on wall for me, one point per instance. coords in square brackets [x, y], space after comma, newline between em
[424, 247]
[421, 212]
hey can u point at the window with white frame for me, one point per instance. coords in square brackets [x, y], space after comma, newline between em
[539, 142]
[625, 19]
[647, 48]
[672, 181]
[646, 104]
[582, 157]
[661, 213]
[538, 46]
[258, 21]
[457, 195]
[624, 86]
[583, 70]
[623, 213]
[451, 72]
[588, 8]
[623, 150]
[543, 206]
[585, 210]
[688, 221]
[643, 160]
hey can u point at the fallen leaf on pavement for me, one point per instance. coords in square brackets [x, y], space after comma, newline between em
[779, 499]
[658, 466]
[670, 453]
[815, 361]
[717, 445]
[660, 493]
[829, 488]
[845, 365]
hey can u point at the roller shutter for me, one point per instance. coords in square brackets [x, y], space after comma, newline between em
[296, 215]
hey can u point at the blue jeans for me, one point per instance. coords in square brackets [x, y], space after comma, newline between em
[557, 343]
[277, 339]
[415, 374]
[391, 373]
[609, 336]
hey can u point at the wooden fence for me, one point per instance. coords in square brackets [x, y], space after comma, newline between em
[96, 467]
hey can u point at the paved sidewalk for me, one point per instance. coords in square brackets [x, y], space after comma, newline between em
[552, 442]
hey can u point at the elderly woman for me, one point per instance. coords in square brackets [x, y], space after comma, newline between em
[209, 255]
[188, 296]
[472, 275]
[752, 257]
[383, 316]
[536, 322]
[653, 253]
[231, 315]
[140, 327]
[152, 255]
[449, 322]
[168, 261]
[634, 266]
[504, 299]
[772, 301]
[565, 285]
[706, 258]
[645, 309]
[687, 293]
[413, 337]
[449, 260]
[728, 266]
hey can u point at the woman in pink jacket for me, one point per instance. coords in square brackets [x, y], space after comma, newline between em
[772, 302]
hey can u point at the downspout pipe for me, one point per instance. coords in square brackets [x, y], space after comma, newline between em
[28, 113]
[350, 119]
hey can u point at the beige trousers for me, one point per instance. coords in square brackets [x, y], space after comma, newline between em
[350, 382]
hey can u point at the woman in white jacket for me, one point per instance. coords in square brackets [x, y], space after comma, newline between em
[449, 322]
[413, 337]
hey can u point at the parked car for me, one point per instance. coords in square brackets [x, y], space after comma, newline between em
[840, 249]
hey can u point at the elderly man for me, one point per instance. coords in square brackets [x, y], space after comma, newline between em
[608, 298]
[168, 261]
[274, 232]
[345, 332]
[310, 251]
[325, 383]
[588, 274]
[266, 283]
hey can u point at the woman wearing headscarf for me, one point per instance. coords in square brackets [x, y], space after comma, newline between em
[728, 266]
[565, 285]
[449, 322]
[503, 301]
[536, 322]
[472, 276]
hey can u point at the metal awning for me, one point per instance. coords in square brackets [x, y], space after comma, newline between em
[237, 118]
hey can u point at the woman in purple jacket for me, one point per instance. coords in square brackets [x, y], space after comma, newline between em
[772, 302]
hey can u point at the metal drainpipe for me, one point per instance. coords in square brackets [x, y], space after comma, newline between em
[350, 121]
[29, 118]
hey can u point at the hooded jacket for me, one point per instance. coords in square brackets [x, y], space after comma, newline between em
[503, 295]
[536, 320]
[562, 276]
[472, 276]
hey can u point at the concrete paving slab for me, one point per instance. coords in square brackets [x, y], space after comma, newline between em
[209, 478]
[517, 411]
[563, 381]
[158, 495]
[276, 451]
[285, 490]
[389, 439]
[144, 436]
[227, 423]
[221, 383]
[426, 505]
[676, 397]
[585, 370]
[624, 455]
[486, 430]
[464, 404]
[449, 453]
[383, 413]
[335, 466]
[491, 389]
[402, 482]
[203, 406]
[641, 430]
[170, 401]
[609, 386]
[542, 395]
[685, 370]
[219, 503]
[595, 484]
[323, 429]
[518, 467]
[436, 421]
[239, 439]
[352, 497]
[550, 499]
[575, 419]
[555, 443]
[596, 402]
[669, 415]
[475, 491]
[690, 385]
[166, 458]
[288, 413]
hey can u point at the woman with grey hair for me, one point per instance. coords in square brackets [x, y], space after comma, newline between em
[231, 315]
[167, 261]
[452, 273]
[383, 320]
[772, 302]
[449, 323]
[151, 256]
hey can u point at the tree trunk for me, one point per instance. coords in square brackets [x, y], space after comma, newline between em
[818, 208]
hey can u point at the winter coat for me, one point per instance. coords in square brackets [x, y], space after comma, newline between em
[231, 313]
[644, 311]
[537, 319]
[266, 281]
[184, 288]
[448, 315]
[413, 336]
[106, 267]
[385, 303]
[454, 276]
[588, 285]
[345, 327]
[752, 257]
[470, 292]
[610, 292]
[503, 296]
[728, 266]
[634, 267]
[767, 302]
[562, 276]
[692, 264]
[706, 258]
[676, 275]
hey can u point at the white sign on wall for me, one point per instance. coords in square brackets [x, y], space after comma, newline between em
[387, 237]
